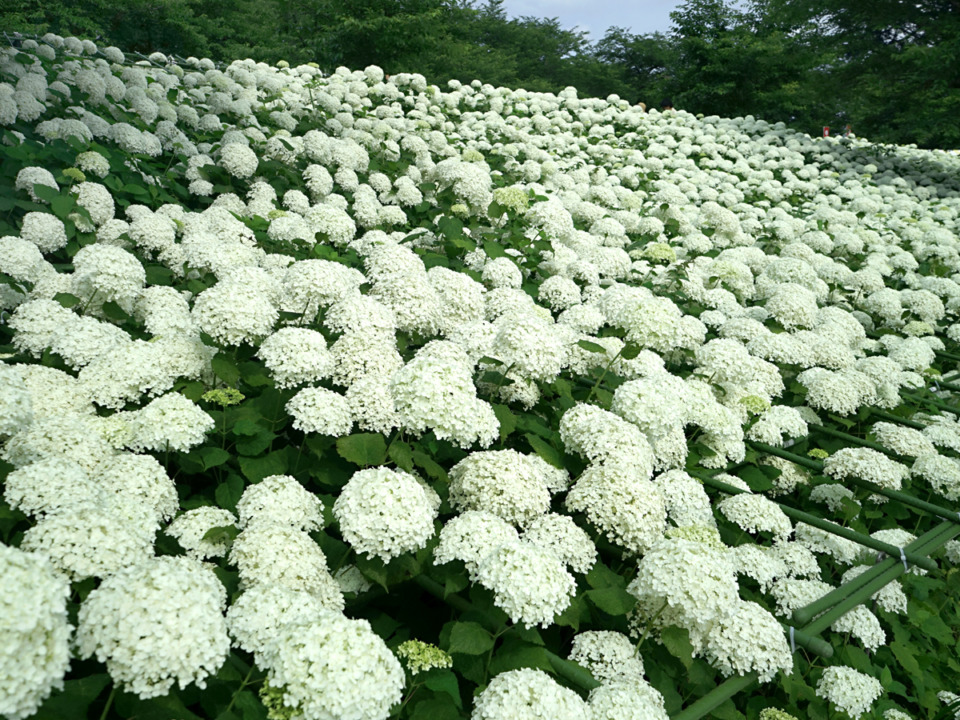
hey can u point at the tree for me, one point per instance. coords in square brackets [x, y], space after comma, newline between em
[893, 65]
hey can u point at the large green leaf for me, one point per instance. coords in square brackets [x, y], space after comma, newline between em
[363, 449]
[470, 638]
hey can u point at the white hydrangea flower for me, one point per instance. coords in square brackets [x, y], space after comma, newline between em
[529, 583]
[561, 535]
[609, 656]
[684, 583]
[69, 436]
[271, 554]
[850, 690]
[35, 653]
[33, 175]
[134, 622]
[238, 160]
[758, 563]
[794, 593]
[942, 472]
[44, 230]
[863, 625]
[435, 391]
[233, 313]
[472, 536]
[503, 482]
[170, 422]
[48, 486]
[386, 512]
[631, 700]
[755, 513]
[333, 667]
[623, 504]
[902, 440]
[295, 356]
[866, 464]
[746, 638]
[257, 616]
[280, 499]
[528, 694]
[190, 528]
[601, 436]
[318, 410]
[532, 346]
[776, 424]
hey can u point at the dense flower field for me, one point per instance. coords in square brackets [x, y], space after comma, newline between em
[351, 397]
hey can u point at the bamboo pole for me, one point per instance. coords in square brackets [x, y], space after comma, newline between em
[942, 532]
[832, 527]
[897, 495]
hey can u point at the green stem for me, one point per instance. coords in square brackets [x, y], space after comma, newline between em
[603, 375]
[106, 708]
[243, 684]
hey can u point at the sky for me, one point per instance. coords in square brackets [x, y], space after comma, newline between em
[595, 16]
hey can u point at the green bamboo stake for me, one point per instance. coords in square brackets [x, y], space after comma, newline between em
[716, 697]
[944, 531]
[897, 495]
[906, 422]
[865, 592]
[853, 439]
[931, 401]
[832, 527]
[734, 685]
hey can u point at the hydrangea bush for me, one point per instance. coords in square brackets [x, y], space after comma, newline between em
[353, 397]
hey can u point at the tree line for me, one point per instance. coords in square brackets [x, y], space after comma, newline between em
[889, 68]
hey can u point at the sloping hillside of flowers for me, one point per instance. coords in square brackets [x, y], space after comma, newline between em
[351, 397]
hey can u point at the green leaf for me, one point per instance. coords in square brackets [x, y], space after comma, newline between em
[470, 638]
[136, 190]
[677, 642]
[221, 533]
[429, 466]
[114, 312]
[435, 709]
[62, 205]
[74, 699]
[67, 300]
[612, 600]
[256, 469]
[402, 455]
[225, 368]
[755, 478]
[630, 351]
[212, 456]
[508, 421]
[591, 346]
[906, 658]
[516, 655]
[545, 450]
[600, 576]
[246, 427]
[493, 249]
[255, 444]
[45, 192]
[158, 275]
[228, 492]
[374, 570]
[363, 449]
[444, 681]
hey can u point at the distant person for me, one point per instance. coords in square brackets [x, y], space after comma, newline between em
[666, 105]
